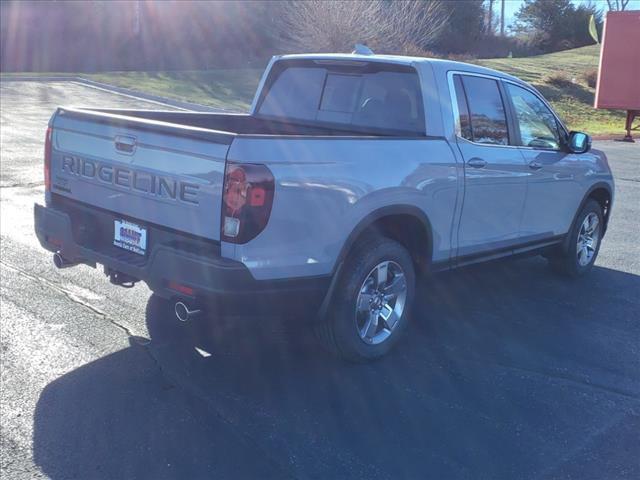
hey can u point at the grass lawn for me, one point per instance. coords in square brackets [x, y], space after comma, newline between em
[230, 89]
[233, 89]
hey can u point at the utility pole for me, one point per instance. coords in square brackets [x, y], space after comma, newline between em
[502, 19]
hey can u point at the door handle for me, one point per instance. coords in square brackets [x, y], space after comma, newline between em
[477, 162]
[535, 165]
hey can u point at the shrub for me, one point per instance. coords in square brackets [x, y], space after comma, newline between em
[558, 79]
[411, 50]
[591, 77]
[461, 57]
[493, 46]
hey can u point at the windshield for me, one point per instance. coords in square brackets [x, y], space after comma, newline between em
[369, 97]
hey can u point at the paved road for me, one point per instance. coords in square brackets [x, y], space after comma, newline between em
[509, 372]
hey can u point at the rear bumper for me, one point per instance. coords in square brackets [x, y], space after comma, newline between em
[173, 257]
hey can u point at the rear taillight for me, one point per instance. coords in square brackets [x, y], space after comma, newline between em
[47, 159]
[246, 201]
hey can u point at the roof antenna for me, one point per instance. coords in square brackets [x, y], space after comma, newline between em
[361, 49]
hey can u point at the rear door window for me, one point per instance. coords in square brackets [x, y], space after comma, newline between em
[375, 97]
[487, 112]
[463, 109]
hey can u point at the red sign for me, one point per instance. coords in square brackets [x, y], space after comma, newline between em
[619, 72]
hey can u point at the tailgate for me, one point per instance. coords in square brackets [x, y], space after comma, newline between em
[151, 171]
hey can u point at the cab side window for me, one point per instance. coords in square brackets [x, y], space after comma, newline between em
[538, 126]
[487, 113]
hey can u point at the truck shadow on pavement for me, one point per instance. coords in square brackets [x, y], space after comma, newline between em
[507, 371]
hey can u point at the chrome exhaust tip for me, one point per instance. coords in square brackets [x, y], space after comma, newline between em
[60, 262]
[184, 312]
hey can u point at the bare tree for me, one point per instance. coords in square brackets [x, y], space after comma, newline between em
[336, 26]
[411, 24]
[327, 26]
[490, 13]
[617, 5]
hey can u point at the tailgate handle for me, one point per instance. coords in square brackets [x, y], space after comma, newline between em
[125, 144]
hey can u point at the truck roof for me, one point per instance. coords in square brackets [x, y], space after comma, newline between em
[439, 65]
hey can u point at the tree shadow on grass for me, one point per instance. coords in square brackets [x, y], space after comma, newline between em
[554, 93]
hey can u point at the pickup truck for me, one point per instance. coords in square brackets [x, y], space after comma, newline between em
[351, 176]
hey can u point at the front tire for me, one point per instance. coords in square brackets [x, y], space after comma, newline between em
[369, 310]
[583, 243]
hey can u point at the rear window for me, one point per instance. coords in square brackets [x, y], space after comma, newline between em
[488, 117]
[368, 97]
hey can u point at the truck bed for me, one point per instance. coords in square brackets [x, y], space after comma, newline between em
[235, 123]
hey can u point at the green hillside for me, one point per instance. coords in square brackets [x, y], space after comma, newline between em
[230, 89]
[561, 79]
[559, 76]
[533, 69]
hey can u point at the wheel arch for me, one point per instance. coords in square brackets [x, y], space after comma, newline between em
[603, 194]
[386, 221]
[369, 224]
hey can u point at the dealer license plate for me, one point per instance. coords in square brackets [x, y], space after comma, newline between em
[130, 236]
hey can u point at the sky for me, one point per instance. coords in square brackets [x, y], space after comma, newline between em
[512, 6]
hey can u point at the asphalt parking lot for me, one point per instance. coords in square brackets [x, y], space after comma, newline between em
[508, 372]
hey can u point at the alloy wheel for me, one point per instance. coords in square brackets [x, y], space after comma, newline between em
[381, 302]
[588, 238]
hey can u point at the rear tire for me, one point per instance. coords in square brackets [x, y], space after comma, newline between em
[370, 307]
[583, 243]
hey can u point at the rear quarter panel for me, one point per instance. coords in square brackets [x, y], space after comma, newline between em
[326, 186]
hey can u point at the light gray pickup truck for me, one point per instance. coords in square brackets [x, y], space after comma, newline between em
[350, 176]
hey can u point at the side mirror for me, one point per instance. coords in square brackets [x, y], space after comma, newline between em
[579, 142]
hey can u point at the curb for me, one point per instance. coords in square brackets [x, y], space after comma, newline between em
[615, 137]
[195, 107]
